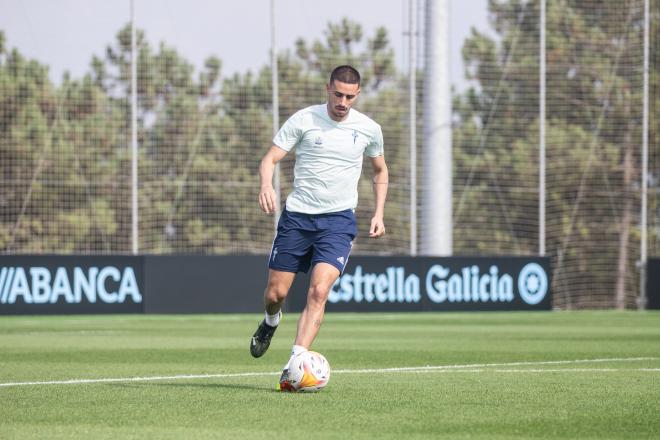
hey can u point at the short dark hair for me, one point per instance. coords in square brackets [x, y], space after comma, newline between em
[346, 74]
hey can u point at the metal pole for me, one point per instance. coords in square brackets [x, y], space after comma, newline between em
[641, 303]
[542, 134]
[276, 107]
[412, 90]
[437, 157]
[134, 143]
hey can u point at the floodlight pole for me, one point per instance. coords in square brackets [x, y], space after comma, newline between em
[276, 108]
[134, 143]
[437, 229]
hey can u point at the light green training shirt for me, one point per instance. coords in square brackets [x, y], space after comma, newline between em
[328, 158]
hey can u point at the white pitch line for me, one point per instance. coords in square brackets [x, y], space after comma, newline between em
[137, 379]
[469, 368]
[533, 370]
[507, 364]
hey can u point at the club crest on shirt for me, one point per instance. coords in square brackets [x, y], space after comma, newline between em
[318, 141]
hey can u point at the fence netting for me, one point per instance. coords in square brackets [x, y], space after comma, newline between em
[65, 143]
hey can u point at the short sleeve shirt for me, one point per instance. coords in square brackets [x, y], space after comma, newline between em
[328, 158]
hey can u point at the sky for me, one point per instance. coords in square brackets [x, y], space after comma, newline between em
[65, 34]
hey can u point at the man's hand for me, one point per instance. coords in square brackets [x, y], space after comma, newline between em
[267, 199]
[380, 191]
[377, 228]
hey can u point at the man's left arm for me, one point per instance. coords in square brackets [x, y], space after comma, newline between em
[380, 182]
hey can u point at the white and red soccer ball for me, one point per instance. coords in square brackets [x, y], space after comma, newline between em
[309, 371]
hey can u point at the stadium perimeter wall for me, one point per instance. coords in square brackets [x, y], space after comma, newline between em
[76, 284]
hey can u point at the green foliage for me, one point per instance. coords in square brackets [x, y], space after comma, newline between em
[200, 139]
[594, 95]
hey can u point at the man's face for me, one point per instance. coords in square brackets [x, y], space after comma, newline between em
[341, 97]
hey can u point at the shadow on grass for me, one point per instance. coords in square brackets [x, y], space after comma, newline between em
[196, 385]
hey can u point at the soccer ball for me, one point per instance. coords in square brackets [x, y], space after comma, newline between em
[309, 371]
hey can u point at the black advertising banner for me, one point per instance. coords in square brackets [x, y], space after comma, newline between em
[377, 284]
[73, 284]
[67, 284]
[205, 284]
[653, 283]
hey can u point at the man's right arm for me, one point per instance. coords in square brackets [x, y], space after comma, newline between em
[267, 196]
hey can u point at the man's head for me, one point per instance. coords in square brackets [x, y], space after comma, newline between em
[343, 89]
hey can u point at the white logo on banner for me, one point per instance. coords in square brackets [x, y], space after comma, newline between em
[441, 285]
[532, 283]
[41, 287]
[469, 285]
[391, 286]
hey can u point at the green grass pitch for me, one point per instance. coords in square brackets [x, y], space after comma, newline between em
[559, 375]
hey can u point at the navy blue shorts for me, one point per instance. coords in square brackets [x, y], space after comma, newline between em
[303, 240]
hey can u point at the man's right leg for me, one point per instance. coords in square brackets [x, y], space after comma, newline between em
[279, 283]
[323, 277]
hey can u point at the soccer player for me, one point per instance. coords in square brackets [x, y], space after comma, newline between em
[317, 226]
